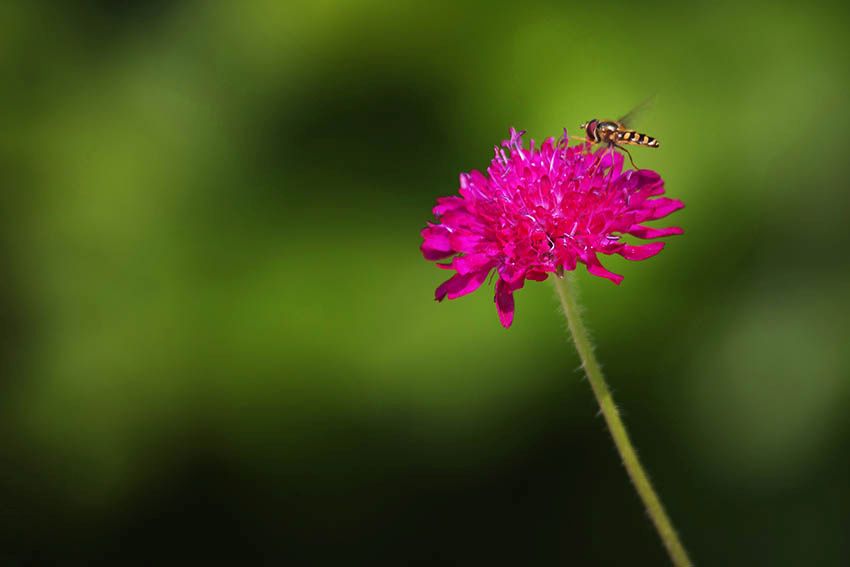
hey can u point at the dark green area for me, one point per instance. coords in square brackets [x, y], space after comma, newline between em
[218, 335]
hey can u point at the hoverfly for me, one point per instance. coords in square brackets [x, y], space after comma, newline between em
[616, 133]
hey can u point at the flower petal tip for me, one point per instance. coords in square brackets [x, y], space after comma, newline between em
[642, 252]
[504, 299]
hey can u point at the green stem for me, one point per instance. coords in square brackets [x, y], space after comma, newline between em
[566, 291]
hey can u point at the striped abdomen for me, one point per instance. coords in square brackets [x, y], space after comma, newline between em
[636, 138]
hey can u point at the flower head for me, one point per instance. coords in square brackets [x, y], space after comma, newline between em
[542, 210]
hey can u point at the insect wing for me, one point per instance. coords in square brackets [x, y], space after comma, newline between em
[629, 119]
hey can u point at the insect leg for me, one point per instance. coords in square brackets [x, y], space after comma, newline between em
[611, 146]
[628, 153]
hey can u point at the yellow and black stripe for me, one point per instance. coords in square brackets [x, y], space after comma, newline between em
[636, 138]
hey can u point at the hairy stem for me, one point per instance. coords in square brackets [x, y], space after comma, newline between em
[566, 292]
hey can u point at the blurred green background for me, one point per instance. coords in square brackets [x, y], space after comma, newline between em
[219, 339]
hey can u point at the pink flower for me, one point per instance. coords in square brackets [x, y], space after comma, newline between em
[540, 211]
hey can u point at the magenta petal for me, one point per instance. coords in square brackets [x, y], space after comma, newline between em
[642, 252]
[434, 254]
[648, 232]
[460, 219]
[436, 244]
[649, 182]
[568, 259]
[460, 284]
[473, 263]
[661, 207]
[594, 266]
[473, 185]
[504, 303]
[510, 274]
[446, 204]
[464, 242]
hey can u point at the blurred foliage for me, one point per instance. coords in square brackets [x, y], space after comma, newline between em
[219, 337]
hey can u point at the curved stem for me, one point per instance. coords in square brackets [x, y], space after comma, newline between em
[566, 292]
